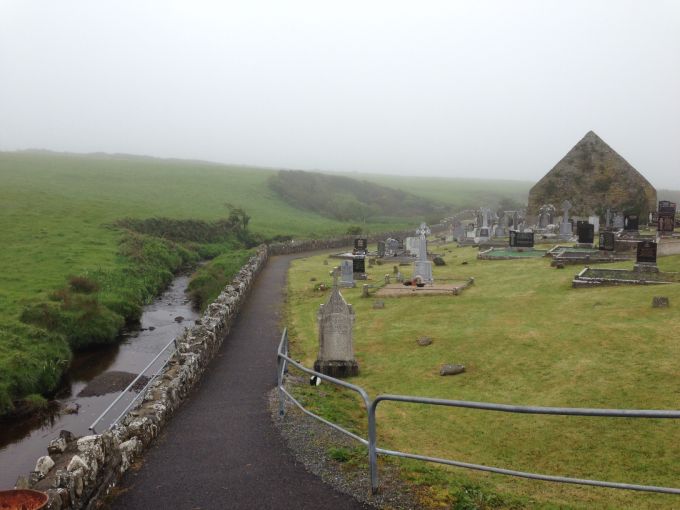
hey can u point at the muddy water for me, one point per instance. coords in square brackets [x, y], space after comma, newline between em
[23, 442]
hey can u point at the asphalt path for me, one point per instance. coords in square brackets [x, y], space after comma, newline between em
[221, 450]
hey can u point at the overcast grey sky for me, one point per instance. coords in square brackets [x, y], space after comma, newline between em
[489, 89]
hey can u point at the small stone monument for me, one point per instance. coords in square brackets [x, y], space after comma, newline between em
[336, 350]
[347, 278]
[422, 267]
[566, 230]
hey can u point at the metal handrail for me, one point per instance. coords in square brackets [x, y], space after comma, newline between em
[134, 381]
[373, 450]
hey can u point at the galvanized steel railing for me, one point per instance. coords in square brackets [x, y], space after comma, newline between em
[141, 393]
[373, 450]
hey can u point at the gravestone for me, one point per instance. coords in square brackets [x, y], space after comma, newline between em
[586, 232]
[422, 267]
[347, 273]
[666, 217]
[521, 239]
[359, 264]
[423, 230]
[607, 241]
[595, 221]
[335, 319]
[617, 222]
[499, 231]
[392, 247]
[608, 219]
[646, 252]
[631, 223]
[360, 246]
[566, 230]
[410, 244]
[459, 232]
[381, 249]
[483, 234]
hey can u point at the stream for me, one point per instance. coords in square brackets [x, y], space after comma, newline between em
[94, 380]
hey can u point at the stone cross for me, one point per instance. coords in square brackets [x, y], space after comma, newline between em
[566, 205]
[335, 273]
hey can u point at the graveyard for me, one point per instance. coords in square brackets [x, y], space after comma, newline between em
[525, 337]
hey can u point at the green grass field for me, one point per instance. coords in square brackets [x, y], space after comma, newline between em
[526, 338]
[57, 216]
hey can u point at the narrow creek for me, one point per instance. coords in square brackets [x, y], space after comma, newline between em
[94, 380]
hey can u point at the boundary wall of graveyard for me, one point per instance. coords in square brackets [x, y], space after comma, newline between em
[77, 472]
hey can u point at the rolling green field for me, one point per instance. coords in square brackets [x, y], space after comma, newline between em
[58, 220]
[526, 338]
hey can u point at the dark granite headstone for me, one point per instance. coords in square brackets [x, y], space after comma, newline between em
[381, 248]
[607, 241]
[521, 239]
[631, 223]
[360, 245]
[586, 232]
[359, 264]
[666, 216]
[646, 252]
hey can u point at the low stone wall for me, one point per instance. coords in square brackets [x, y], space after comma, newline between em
[298, 246]
[76, 471]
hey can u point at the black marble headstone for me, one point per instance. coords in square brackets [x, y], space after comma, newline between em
[359, 264]
[586, 232]
[646, 252]
[631, 222]
[666, 216]
[521, 239]
[607, 241]
[360, 245]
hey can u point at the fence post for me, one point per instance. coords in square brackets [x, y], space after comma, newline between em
[372, 453]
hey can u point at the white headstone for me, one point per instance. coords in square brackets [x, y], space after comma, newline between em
[423, 269]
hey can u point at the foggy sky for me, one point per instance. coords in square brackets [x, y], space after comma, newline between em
[488, 89]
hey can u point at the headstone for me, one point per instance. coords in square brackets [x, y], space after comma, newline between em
[359, 264]
[483, 234]
[666, 217]
[566, 229]
[364, 290]
[607, 241]
[360, 246]
[423, 269]
[617, 222]
[499, 231]
[459, 232]
[646, 252]
[392, 247]
[381, 248]
[336, 350]
[608, 219]
[423, 230]
[347, 273]
[631, 223]
[595, 221]
[586, 232]
[410, 245]
[521, 239]
[422, 248]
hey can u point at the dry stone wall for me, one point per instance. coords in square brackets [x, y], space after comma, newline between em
[77, 471]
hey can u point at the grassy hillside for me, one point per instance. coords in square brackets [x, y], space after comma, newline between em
[60, 218]
[343, 198]
[458, 192]
[527, 338]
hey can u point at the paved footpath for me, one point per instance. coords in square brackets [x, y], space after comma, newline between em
[221, 450]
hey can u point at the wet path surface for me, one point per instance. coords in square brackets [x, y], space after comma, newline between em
[21, 443]
[221, 449]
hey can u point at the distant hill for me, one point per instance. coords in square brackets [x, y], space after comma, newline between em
[344, 199]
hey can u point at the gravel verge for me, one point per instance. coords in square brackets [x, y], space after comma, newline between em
[310, 441]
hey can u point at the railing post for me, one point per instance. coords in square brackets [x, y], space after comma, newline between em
[372, 453]
[281, 363]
